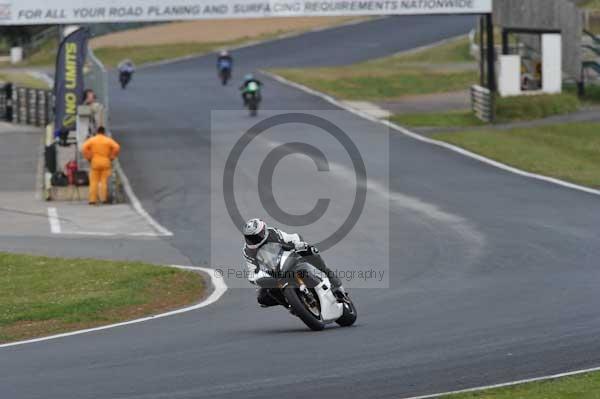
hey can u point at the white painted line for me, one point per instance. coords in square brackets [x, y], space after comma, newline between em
[424, 139]
[41, 76]
[108, 234]
[40, 172]
[137, 205]
[507, 384]
[54, 221]
[56, 228]
[369, 108]
[219, 288]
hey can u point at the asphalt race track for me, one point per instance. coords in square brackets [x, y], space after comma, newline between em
[493, 277]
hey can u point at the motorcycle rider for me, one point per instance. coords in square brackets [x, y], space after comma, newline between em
[224, 61]
[258, 235]
[249, 78]
[126, 70]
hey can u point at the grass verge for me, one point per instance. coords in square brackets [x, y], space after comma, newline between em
[464, 118]
[567, 151]
[43, 296]
[535, 107]
[23, 79]
[111, 56]
[583, 386]
[444, 68]
[45, 56]
[439, 69]
[508, 109]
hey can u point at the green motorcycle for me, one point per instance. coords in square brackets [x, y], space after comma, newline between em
[253, 97]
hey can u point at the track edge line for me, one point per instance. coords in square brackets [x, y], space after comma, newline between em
[416, 136]
[137, 205]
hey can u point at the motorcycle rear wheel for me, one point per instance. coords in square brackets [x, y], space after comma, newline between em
[224, 78]
[292, 296]
[253, 107]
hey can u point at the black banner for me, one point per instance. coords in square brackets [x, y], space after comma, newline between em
[68, 81]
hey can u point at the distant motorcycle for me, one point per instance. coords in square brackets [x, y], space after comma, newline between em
[253, 97]
[125, 78]
[225, 75]
[224, 71]
[305, 291]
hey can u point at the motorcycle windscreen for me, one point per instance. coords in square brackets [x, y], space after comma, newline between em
[268, 255]
[252, 86]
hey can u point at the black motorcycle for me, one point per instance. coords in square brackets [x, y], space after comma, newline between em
[125, 78]
[225, 75]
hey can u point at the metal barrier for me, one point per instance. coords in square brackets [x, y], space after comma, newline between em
[41, 38]
[26, 105]
[482, 103]
[96, 78]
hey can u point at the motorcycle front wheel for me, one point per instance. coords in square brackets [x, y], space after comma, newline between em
[310, 315]
[349, 316]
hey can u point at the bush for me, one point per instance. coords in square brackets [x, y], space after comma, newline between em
[535, 107]
[591, 95]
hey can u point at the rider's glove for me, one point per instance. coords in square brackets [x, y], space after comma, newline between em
[301, 247]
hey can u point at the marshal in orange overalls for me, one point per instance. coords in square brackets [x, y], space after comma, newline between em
[100, 150]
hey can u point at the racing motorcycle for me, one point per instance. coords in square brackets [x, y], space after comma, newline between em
[224, 71]
[253, 97]
[125, 78]
[305, 291]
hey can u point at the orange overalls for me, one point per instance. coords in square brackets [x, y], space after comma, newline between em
[100, 150]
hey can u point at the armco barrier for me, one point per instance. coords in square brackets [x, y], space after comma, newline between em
[482, 103]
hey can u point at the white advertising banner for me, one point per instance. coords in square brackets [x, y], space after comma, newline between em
[29, 12]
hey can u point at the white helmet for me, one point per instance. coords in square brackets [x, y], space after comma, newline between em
[255, 232]
[224, 53]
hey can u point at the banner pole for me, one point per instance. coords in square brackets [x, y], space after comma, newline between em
[491, 50]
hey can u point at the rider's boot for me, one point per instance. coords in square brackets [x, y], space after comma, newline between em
[265, 298]
[339, 292]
